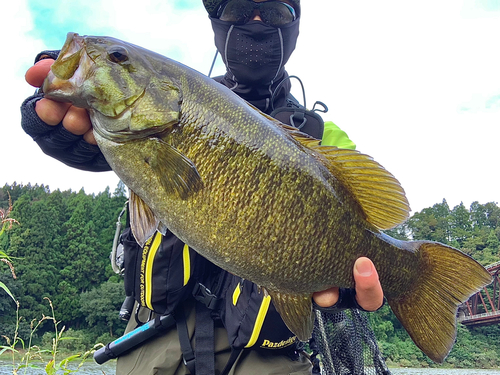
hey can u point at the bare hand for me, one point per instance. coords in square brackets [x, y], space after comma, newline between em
[75, 120]
[369, 294]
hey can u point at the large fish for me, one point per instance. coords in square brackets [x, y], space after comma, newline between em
[254, 196]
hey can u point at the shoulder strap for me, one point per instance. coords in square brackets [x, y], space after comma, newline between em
[306, 121]
[201, 360]
[235, 353]
[185, 342]
[205, 341]
[298, 116]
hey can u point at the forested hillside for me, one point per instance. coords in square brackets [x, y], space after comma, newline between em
[60, 250]
[61, 246]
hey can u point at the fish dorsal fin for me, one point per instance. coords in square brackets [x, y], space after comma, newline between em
[296, 311]
[378, 192]
[143, 221]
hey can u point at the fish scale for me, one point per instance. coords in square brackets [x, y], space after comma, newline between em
[254, 196]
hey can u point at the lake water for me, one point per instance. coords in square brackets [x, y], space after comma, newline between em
[91, 368]
[88, 368]
[438, 371]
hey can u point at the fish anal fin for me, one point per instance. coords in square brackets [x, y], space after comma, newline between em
[296, 311]
[177, 173]
[428, 311]
[143, 221]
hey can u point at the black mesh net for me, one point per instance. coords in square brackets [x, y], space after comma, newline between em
[346, 345]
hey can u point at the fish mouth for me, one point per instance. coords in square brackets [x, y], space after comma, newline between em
[65, 67]
[66, 74]
[65, 81]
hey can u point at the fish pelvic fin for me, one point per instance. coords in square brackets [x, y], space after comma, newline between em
[428, 311]
[175, 171]
[143, 221]
[296, 311]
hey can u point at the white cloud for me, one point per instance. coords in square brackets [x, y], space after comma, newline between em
[397, 76]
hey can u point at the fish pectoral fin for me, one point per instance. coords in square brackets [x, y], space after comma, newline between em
[377, 191]
[176, 173]
[143, 221]
[296, 311]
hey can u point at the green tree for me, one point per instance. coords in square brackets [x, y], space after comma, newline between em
[493, 242]
[101, 306]
[461, 226]
[33, 244]
[431, 223]
[120, 191]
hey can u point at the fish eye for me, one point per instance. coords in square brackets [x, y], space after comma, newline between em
[118, 54]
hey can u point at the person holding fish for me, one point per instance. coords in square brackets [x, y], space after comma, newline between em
[255, 40]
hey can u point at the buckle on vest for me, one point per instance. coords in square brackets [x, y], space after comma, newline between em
[202, 294]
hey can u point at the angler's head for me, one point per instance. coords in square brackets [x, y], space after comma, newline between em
[115, 81]
[270, 27]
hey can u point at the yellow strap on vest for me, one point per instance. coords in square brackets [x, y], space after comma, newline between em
[186, 260]
[236, 294]
[149, 269]
[259, 321]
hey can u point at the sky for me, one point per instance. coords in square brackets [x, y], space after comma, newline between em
[416, 85]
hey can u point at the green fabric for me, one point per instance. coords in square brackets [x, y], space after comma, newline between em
[334, 136]
[162, 354]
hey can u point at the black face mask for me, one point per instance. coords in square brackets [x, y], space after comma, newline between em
[255, 53]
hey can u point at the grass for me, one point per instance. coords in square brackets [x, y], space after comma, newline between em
[23, 355]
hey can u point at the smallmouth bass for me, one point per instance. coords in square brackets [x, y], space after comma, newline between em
[254, 196]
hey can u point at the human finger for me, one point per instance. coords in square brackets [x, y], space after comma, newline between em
[369, 293]
[77, 121]
[51, 112]
[326, 298]
[36, 74]
[89, 137]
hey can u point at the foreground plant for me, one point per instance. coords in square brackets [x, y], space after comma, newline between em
[6, 223]
[35, 353]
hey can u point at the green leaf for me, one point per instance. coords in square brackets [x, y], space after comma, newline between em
[69, 359]
[4, 255]
[49, 369]
[5, 348]
[4, 287]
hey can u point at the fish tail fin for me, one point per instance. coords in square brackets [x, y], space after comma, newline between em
[428, 311]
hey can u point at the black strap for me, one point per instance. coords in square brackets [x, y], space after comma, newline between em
[201, 361]
[205, 341]
[182, 330]
[109, 352]
[203, 295]
[235, 353]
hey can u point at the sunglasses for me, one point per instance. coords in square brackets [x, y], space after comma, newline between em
[272, 13]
